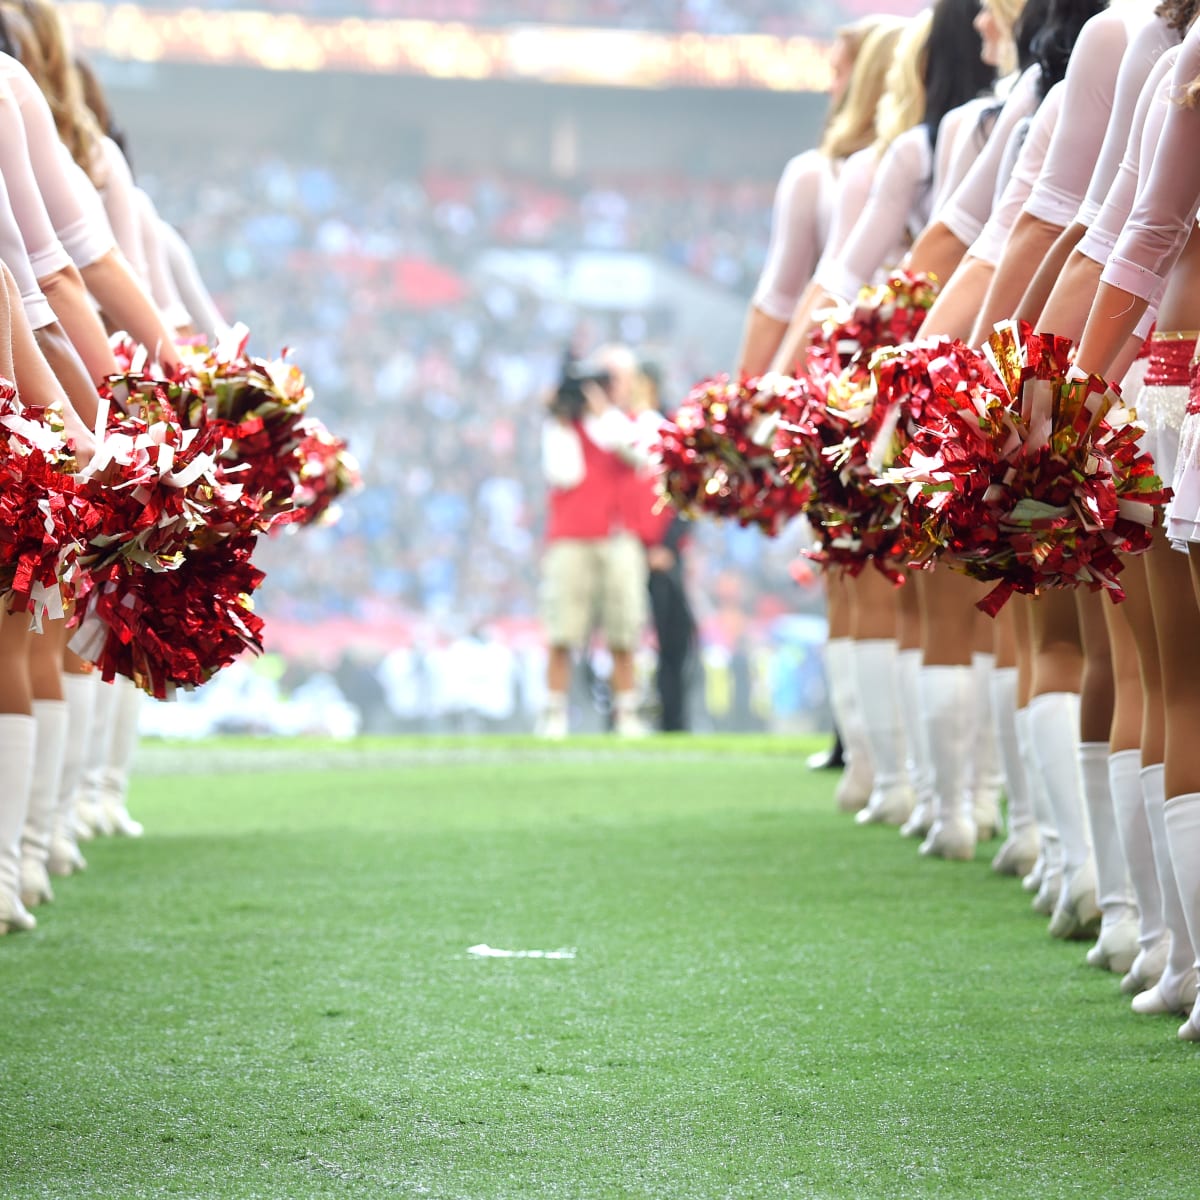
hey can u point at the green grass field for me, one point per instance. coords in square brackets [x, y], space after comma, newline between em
[270, 995]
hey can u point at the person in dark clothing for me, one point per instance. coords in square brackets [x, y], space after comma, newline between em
[664, 534]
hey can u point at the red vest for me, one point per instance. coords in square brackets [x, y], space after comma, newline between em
[593, 508]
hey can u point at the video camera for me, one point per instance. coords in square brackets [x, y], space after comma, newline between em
[569, 402]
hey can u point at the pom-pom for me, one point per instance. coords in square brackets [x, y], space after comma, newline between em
[715, 456]
[325, 471]
[1024, 474]
[42, 516]
[172, 628]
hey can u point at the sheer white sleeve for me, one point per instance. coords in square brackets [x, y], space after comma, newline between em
[1164, 212]
[1145, 51]
[120, 203]
[851, 191]
[84, 237]
[200, 305]
[989, 245]
[1091, 83]
[970, 204]
[894, 206]
[799, 225]
[1144, 132]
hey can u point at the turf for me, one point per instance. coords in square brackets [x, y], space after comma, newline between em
[270, 996]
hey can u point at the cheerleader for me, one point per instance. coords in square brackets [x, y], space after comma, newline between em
[805, 202]
[916, 128]
[1132, 934]
[1156, 261]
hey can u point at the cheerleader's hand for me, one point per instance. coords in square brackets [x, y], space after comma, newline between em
[83, 441]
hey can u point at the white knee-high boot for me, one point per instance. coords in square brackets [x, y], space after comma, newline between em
[1175, 989]
[18, 739]
[1182, 815]
[985, 779]
[1055, 720]
[854, 787]
[948, 710]
[917, 738]
[892, 797]
[50, 717]
[1046, 873]
[1124, 770]
[1117, 945]
[122, 744]
[93, 820]
[1020, 849]
[80, 694]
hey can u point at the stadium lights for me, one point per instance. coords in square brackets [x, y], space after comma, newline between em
[449, 50]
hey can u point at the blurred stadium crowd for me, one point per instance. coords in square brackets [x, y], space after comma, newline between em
[437, 374]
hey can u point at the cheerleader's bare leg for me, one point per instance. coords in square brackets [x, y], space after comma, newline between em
[947, 599]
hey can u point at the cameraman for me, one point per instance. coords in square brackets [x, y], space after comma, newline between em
[594, 568]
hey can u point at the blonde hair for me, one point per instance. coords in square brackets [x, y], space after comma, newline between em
[903, 103]
[852, 126]
[52, 65]
[1007, 14]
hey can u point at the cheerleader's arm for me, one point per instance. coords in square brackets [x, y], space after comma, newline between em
[202, 309]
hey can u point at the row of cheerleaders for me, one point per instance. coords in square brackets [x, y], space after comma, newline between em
[145, 552]
[997, 452]
[1003, 462]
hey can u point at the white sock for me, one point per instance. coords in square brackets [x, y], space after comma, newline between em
[50, 718]
[80, 694]
[946, 709]
[1114, 892]
[1180, 958]
[984, 779]
[1134, 832]
[1039, 801]
[843, 700]
[1182, 814]
[18, 740]
[916, 734]
[1054, 718]
[875, 673]
[123, 739]
[95, 759]
[1004, 721]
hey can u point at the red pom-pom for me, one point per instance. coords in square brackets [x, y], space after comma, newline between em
[1023, 475]
[715, 456]
[172, 628]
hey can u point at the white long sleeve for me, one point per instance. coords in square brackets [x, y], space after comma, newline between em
[1091, 86]
[1145, 130]
[969, 206]
[45, 251]
[895, 209]
[799, 226]
[562, 455]
[1168, 197]
[201, 307]
[84, 237]
[120, 203]
[851, 192]
[162, 282]
[960, 140]
[1145, 51]
[989, 245]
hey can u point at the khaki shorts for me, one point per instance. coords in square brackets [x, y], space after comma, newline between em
[591, 584]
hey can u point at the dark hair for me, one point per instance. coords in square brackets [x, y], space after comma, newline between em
[1053, 43]
[1178, 14]
[1028, 25]
[954, 69]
